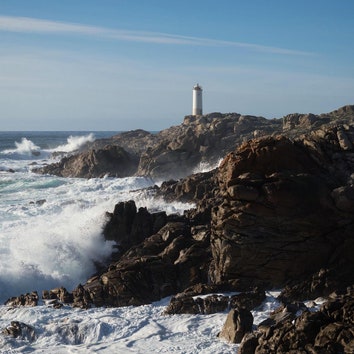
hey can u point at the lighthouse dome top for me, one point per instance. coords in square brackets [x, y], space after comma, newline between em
[197, 87]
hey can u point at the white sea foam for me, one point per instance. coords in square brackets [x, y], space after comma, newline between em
[205, 166]
[140, 329]
[51, 229]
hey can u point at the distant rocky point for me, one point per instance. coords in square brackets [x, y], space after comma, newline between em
[176, 152]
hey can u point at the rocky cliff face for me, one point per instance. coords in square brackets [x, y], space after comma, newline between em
[276, 213]
[200, 139]
[283, 214]
[172, 153]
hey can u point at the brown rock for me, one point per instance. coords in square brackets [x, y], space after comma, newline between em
[112, 160]
[29, 299]
[190, 305]
[238, 323]
[278, 207]
[329, 330]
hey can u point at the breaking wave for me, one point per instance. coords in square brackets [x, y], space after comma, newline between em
[75, 143]
[25, 147]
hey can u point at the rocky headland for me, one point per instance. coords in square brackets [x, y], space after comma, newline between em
[278, 212]
[175, 152]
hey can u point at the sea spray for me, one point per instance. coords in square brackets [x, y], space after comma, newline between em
[74, 143]
[51, 232]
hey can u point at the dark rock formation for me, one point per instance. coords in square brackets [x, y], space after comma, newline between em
[29, 299]
[111, 161]
[172, 153]
[296, 329]
[189, 302]
[59, 294]
[177, 151]
[189, 305]
[158, 256]
[199, 139]
[283, 215]
[129, 226]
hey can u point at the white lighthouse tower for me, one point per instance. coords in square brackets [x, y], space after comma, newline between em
[197, 109]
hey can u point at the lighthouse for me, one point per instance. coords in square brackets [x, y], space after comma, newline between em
[197, 109]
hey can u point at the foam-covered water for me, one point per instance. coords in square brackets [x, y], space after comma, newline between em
[141, 329]
[50, 235]
[51, 227]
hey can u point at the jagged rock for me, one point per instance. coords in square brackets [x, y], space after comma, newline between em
[82, 298]
[129, 226]
[329, 330]
[154, 267]
[249, 343]
[190, 305]
[194, 187]
[248, 300]
[206, 138]
[59, 294]
[238, 322]
[133, 281]
[176, 152]
[321, 283]
[29, 299]
[282, 314]
[189, 301]
[280, 204]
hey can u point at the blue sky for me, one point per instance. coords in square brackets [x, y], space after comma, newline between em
[127, 64]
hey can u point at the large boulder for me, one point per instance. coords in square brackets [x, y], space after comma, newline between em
[112, 160]
[283, 217]
[239, 321]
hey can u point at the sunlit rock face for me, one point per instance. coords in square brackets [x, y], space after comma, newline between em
[286, 209]
[201, 139]
[180, 150]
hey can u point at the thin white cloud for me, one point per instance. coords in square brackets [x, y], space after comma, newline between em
[34, 25]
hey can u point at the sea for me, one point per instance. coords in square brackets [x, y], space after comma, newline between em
[51, 235]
